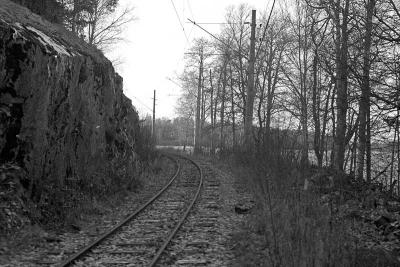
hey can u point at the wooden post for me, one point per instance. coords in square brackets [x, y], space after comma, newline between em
[248, 121]
[153, 125]
[197, 124]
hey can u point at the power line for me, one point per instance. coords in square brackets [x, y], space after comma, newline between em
[215, 37]
[141, 102]
[218, 39]
[179, 19]
[169, 79]
[180, 86]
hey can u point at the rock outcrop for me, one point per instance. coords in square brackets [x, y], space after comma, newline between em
[63, 114]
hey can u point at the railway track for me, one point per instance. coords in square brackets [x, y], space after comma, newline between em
[198, 242]
[142, 238]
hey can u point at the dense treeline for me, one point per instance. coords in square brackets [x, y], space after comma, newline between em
[326, 70]
[95, 21]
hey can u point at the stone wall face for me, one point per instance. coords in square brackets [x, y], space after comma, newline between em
[63, 114]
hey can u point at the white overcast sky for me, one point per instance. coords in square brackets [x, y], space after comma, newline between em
[156, 44]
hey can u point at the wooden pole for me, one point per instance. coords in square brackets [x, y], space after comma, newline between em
[248, 122]
[197, 124]
[153, 125]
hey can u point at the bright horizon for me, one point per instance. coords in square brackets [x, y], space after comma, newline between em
[156, 43]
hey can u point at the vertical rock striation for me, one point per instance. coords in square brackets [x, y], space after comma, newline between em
[63, 114]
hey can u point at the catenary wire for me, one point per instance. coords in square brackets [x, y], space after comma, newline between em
[180, 22]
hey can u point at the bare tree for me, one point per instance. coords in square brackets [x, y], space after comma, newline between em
[106, 23]
[340, 16]
[364, 106]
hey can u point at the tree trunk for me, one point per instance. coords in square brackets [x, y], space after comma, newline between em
[222, 111]
[197, 137]
[398, 150]
[233, 113]
[203, 108]
[212, 116]
[364, 104]
[315, 112]
[368, 148]
[341, 86]
[392, 156]
[303, 69]
[248, 120]
[93, 24]
[332, 107]
[324, 139]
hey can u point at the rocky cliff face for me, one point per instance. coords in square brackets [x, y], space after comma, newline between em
[63, 114]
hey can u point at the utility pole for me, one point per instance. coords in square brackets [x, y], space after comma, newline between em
[212, 114]
[222, 112]
[248, 120]
[197, 124]
[153, 125]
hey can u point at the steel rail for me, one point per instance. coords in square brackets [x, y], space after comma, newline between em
[183, 218]
[89, 247]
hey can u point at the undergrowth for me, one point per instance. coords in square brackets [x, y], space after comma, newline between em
[56, 203]
[111, 185]
[297, 230]
[85, 214]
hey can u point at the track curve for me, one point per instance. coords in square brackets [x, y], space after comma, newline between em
[166, 206]
[179, 225]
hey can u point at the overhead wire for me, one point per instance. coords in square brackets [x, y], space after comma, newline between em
[143, 104]
[180, 59]
[180, 22]
[169, 79]
[218, 39]
[191, 13]
[215, 37]
[197, 24]
[180, 86]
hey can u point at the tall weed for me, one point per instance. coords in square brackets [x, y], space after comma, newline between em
[297, 229]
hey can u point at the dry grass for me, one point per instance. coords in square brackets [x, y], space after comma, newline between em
[295, 227]
[121, 177]
[65, 206]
